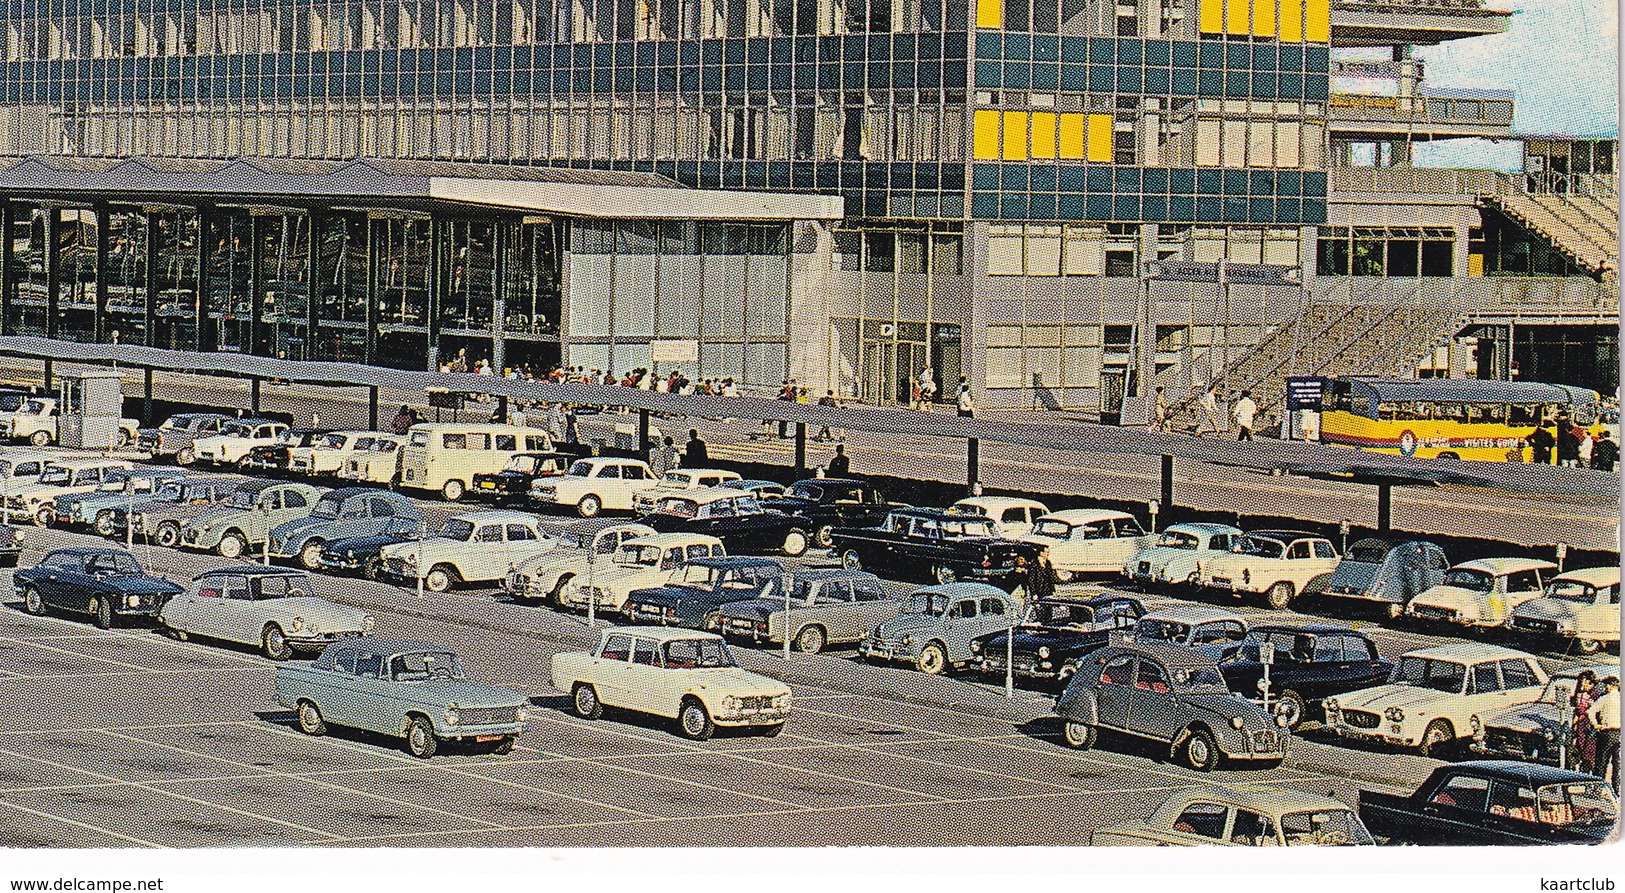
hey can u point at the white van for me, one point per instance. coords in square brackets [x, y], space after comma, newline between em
[446, 457]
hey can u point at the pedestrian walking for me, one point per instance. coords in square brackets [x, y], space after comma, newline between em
[1540, 443]
[1582, 734]
[1210, 411]
[1568, 442]
[555, 422]
[664, 458]
[1604, 453]
[695, 453]
[966, 401]
[928, 388]
[572, 431]
[1244, 413]
[824, 432]
[839, 464]
[788, 394]
[404, 420]
[1604, 718]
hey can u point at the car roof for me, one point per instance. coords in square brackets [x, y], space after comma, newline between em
[694, 472]
[86, 550]
[1001, 502]
[705, 495]
[347, 492]
[360, 432]
[1103, 599]
[1468, 651]
[612, 460]
[672, 539]
[1085, 516]
[855, 482]
[1313, 629]
[595, 526]
[1601, 671]
[505, 516]
[1536, 774]
[728, 561]
[748, 483]
[660, 633]
[1275, 801]
[1202, 527]
[1194, 614]
[1162, 652]
[1599, 577]
[819, 575]
[940, 514]
[963, 588]
[389, 646]
[1502, 566]
[258, 422]
[253, 570]
[91, 462]
[1285, 535]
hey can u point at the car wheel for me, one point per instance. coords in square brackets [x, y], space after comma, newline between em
[104, 523]
[1063, 576]
[102, 610]
[695, 720]
[505, 746]
[1200, 752]
[589, 506]
[557, 595]
[185, 457]
[452, 490]
[169, 535]
[123, 438]
[232, 545]
[1079, 735]
[933, 659]
[274, 643]
[944, 575]
[420, 740]
[795, 543]
[1280, 596]
[371, 567]
[32, 603]
[1293, 708]
[44, 516]
[310, 719]
[438, 579]
[40, 438]
[851, 560]
[825, 536]
[1438, 740]
[1588, 646]
[811, 639]
[772, 731]
[311, 555]
[584, 701]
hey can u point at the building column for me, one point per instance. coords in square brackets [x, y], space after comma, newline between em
[53, 271]
[99, 319]
[499, 294]
[149, 283]
[320, 275]
[7, 285]
[369, 353]
[256, 297]
[205, 255]
[437, 242]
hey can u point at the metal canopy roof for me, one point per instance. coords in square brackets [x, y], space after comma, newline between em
[1067, 436]
[1463, 390]
[389, 182]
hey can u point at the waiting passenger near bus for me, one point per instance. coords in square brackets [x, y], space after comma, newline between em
[1604, 453]
[1568, 441]
[1541, 442]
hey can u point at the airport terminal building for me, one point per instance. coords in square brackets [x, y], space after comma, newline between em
[843, 191]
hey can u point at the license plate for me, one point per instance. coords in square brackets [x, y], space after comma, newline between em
[488, 485]
[480, 738]
[1221, 584]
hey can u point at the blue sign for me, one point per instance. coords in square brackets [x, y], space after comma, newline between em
[1305, 392]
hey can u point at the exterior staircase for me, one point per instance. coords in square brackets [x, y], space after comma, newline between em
[1584, 227]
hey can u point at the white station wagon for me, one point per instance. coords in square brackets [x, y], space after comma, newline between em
[1483, 592]
[1279, 564]
[235, 440]
[1438, 698]
[479, 547]
[641, 563]
[595, 485]
[328, 455]
[681, 674]
[678, 480]
[37, 501]
[1013, 516]
[1088, 541]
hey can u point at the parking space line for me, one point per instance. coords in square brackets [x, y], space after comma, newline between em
[82, 731]
[80, 654]
[85, 825]
[939, 764]
[131, 673]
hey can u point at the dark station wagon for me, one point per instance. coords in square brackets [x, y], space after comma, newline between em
[1495, 803]
[939, 545]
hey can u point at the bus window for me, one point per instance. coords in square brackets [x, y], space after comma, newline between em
[1450, 412]
[1525, 415]
[1486, 413]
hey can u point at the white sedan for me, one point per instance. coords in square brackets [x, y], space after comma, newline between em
[478, 547]
[1088, 541]
[594, 485]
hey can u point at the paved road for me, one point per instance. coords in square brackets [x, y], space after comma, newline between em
[1581, 522]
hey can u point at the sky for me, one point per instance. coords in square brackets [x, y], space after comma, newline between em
[1560, 56]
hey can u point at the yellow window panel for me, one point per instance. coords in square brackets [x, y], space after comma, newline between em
[1292, 21]
[1236, 18]
[1072, 141]
[1015, 136]
[1475, 264]
[1317, 25]
[1043, 135]
[986, 137]
[1213, 16]
[1100, 138]
[990, 13]
[1264, 18]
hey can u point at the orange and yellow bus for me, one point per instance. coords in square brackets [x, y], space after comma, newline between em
[1449, 418]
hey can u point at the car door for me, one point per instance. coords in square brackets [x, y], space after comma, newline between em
[834, 607]
[1456, 812]
[644, 679]
[870, 605]
[1115, 693]
[1519, 681]
[1323, 564]
[1216, 632]
[207, 616]
[53, 581]
[240, 615]
[633, 478]
[372, 705]
[1362, 667]
[608, 673]
[1154, 709]
[1601, 617]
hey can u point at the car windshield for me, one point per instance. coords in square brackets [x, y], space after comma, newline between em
[968, 508]
[1163, 630]
[1262, 547]
[1324, 827]
[521, 465]
[677, 479]
[1578, 804]
[809, 492]
[243, 499]
[456, 529]
[685, 654]
[1198, 678]
[1469, 579]
[235, 430]
[1439, 675]
[119, 564]
[419, 439]
[34, 407]
[362, 443]
[1288, 644]
[1368, 552]
[682, 508]
[1178, 539]
[334, 442]
[290, 438]
[420, 666]
[176, 423]
[10, 402]
[1571, 591]
[933, 603]
[969, 527]
[1059, 615]
[55, 474]
[1053, 528]
[326, 508]
[171, 491]
[284, 586]
[383, 446]
[640, 556]
[580, 470]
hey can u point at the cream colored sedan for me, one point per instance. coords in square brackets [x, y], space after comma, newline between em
[677, 673]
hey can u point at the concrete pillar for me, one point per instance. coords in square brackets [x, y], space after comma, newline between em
[254, 396]
[499, 295]
[973, 463]
[372, 408]
[1385, 507]
[801, 448]
[149, 288]
[99, 330]
[146, 396]
[53, 272]
[6, 260]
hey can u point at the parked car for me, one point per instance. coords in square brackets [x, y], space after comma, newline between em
[1213, 631]
[1483, 593]
[1388, 573]
[825, 607]
[1221, 816]
[1579, 606]
[1055, 636]
[687, 676]
[832, 503]
[1539, 731]
[105, 583]
[1013, 516]
[700, 587]
[548, 574]
[412, 690]
[11, 545]
[516, 477]
[376, 465]
[61, 477]
[937, 545]
[118, 489]
[445, 457]
[477, 547]
[935, 629]
[269, 607]
[1173, 559]
[37, 422]
[648, 561]
[1279, 564]
[345, 512]
[172, 505]
[364, 555]
[245, 521]
[176, 435]
[276, 457]
[1088, 541]
[760, 489]
[1437, 697]
[736, 518]
[1312, 661]
[595, 485]
[1495, 803]
[12, 399]
[1170, 695]
[236, 437]
[20, 468]
[680, 480]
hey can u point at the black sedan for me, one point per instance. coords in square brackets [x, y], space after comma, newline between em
[100, 581]
[831, 503]
[514, 480]
[733, 516]
[363, 554]
[272, 458]
[11, 545]
[1056, 633]
[1311, 662]
[1495, 803]
[937, 545]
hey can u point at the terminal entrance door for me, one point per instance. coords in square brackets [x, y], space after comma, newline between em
[889, 363]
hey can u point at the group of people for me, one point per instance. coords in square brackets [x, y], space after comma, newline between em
[1243, 414]
[923, 393]
[1574, 445]
[1594, 729]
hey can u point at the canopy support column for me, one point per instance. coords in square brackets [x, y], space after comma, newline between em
[973, 464]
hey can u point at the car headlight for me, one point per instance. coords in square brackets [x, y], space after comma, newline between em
[1237, 722]
[298, 624]
[451, 715]
[1549, 734]
[1043, 652]
[366, 623]
[975, 647]
[1394, 714]
[521, 715]
[132, 601]
[782, 702]
[1476, 725]
[732, 703]
[349, 553]
[908, 640]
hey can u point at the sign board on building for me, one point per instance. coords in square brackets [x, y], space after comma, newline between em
[1234, 274]
[674, 351]
[1305, 392]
